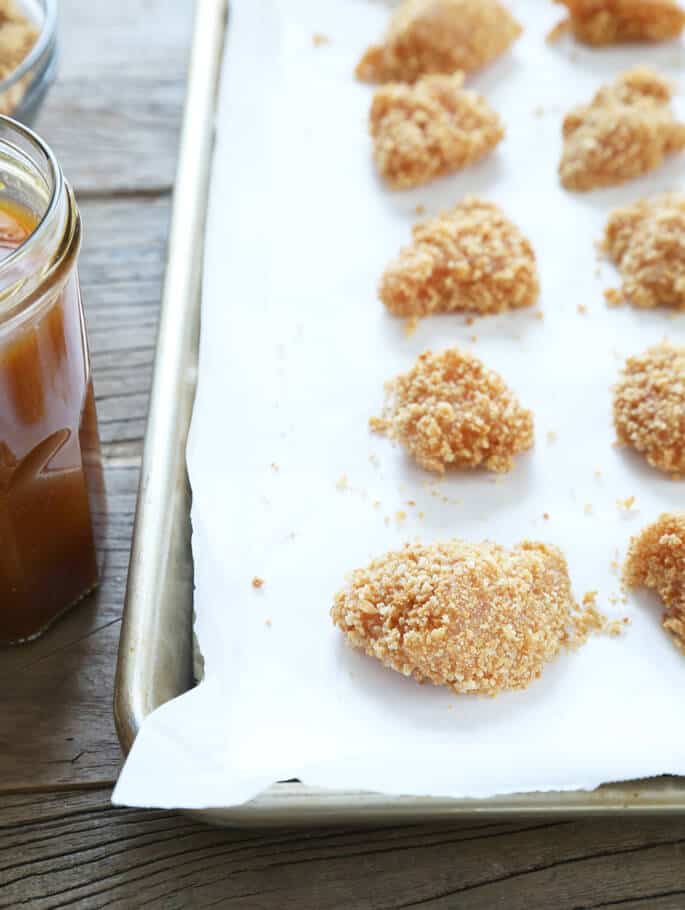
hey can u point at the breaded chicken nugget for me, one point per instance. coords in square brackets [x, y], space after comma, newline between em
[451, 411]
[470, 259]
[647, 243]
[477, 618]
[439, 36]
[626, 130]
[600, 22]
[431, 128]
[656, 559]
[649, 406]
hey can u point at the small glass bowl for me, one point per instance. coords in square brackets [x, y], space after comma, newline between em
[23, 91]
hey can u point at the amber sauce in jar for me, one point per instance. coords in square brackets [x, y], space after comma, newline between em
[51, 482]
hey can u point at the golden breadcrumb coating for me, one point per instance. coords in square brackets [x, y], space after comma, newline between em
[451, 411]
[656, 559]
[477, 618]
[600, 22]
[431, 128]
[439, 36]
[647, 243]
[470, 259]
[649, 406]
[626, 130]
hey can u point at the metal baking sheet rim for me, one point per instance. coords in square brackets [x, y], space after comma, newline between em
[156, 652]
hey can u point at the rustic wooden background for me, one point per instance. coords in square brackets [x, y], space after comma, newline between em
[113, 119]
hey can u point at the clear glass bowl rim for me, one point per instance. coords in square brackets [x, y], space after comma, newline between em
[46, 38]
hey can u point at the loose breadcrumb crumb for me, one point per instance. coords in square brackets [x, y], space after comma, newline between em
[451, 411]
[612, 297]
[582, 309]
[656, 559]
[545, 515]
[439, 36]
[646, 241]
[551, 437]
[601, 22]
[471, 258]
[342, 483]
[616, 627]
[587, 508]
[649, 404]
[477, 618]
[257, 582]
[419, 209]
[626, 504]
[431, 128]
[410, 325]
[318, 39]
[268, 623]
[626, 130]
[590, 622]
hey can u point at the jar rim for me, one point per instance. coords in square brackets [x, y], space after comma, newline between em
[56, 187]
[58, 230]
[46, 37]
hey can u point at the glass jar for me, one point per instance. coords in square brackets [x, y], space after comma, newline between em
[51, 482]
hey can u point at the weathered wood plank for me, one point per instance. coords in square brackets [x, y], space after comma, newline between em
[79, 853]
[129, 126]
[122, 267]
[114, 115]
[100, 39]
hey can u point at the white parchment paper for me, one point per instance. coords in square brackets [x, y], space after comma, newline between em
[295, 350]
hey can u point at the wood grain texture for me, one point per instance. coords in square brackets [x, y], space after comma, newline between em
[113, 116]
[76, 852]
[113, 119]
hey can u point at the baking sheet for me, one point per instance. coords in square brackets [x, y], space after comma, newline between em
[295, 349]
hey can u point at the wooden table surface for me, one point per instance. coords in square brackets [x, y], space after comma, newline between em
[113, 119]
